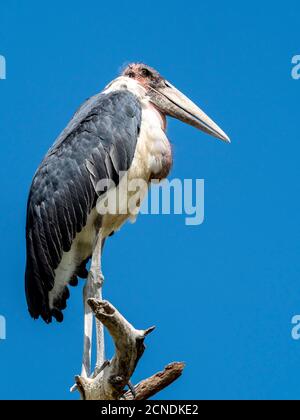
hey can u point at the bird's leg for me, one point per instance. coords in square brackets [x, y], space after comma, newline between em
[88, 331]
[98, 279]
[93, 289]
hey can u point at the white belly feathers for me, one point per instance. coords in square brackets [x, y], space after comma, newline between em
[152, 156]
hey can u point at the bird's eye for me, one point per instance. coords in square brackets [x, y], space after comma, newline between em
[131, 74]
[146, 73]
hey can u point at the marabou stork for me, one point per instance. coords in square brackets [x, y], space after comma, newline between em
[120, 130]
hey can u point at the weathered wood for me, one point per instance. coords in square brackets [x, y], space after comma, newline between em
[156, 383]
[109, 384]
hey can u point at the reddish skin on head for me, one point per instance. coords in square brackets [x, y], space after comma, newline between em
[146, 76]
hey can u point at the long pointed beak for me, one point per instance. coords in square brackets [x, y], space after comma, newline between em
[175, 104]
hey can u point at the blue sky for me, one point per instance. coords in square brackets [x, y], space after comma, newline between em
[221, 294]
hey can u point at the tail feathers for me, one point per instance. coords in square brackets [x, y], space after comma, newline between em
[38, 296]
[36, 292]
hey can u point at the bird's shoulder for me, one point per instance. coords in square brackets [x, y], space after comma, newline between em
[103, 114]
[105, 125]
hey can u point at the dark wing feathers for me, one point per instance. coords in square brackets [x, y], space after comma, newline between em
[98, 143]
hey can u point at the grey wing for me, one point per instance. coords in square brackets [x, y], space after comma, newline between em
[99, 143]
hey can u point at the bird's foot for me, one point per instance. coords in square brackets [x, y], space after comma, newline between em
[131, 389]
[99, 369]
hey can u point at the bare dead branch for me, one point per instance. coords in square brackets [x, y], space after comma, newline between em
[156, 383]
[109, 384]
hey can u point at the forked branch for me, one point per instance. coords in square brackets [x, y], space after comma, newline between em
[110, 382]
